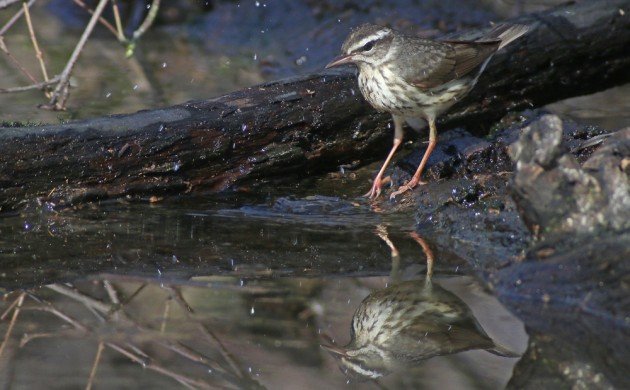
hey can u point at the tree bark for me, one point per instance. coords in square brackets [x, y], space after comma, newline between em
[298, 126]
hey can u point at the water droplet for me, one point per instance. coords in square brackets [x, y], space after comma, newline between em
[255, 56]
[135, 87]
[252, 311]
[176, 166]
[243, 127]
[164, 65]
[108, 94]
[257, 3]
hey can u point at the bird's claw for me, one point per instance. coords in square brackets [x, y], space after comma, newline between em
[402, 189]
[406, 187]
[374, 192]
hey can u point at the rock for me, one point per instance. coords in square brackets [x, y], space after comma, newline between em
[557, 195]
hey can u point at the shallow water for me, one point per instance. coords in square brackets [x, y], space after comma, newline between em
[224, 331]
[221, 293]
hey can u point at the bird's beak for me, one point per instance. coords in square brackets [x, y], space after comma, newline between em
[334, 350]
[344, 59]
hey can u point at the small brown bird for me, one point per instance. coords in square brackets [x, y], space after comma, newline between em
[406, 323]
[415, 79]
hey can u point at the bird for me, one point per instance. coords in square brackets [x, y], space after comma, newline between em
[416, 79]
[406, 323]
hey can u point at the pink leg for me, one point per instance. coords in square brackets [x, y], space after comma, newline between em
[416, 177]
[375, 191]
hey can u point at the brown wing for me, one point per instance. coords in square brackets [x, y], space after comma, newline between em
[435, 63]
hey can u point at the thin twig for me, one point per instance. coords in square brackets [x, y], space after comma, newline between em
[119, 28]
[150, 365]
[60, 94]
[6, 3]
[16, 312]
[4, 48]
[97, 359]
[111, 292]
[38, 52]
[65, 317]
[8, 309]
[86, 300]
[101, 19]
[67, 333]
[148, 21]
[177, 295]
[167, 310]
[41, 85]
[14, 19]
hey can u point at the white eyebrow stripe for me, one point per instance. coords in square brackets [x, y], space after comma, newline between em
[377, 35]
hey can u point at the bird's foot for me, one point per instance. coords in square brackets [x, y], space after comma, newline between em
[411, 184]
[375, 191]
[377, 185]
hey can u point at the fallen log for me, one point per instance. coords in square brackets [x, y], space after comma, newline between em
[297, 126]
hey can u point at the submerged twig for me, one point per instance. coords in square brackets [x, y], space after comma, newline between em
[16, 312]
[97, 359]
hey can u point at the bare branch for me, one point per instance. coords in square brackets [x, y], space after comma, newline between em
[41, 85]
[31, 31]
[4, 48]
[101, 20]
[111, 292]
[167, 310]
[97, 359]
[86, 300]
[68, 333]
[119, 29]
[60, 94]
[150, 365]
[6, 3]
[65, 317]
[14, 18]
[148, 21]
[16, 312]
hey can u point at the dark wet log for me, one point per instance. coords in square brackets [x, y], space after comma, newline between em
[297, 126]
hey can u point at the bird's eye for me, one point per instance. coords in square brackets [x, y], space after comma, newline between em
[368, 46]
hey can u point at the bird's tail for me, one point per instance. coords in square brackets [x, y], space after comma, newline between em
[506, 33]
[500, 350]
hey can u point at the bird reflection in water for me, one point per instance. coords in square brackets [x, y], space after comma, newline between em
[408, 322]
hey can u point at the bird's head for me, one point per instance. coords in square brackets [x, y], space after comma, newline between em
[360, 363]
[367, 45]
